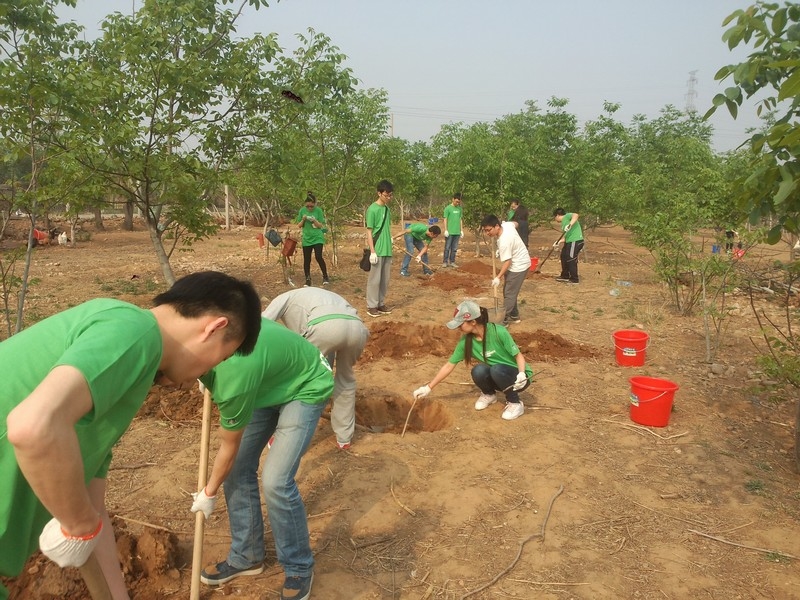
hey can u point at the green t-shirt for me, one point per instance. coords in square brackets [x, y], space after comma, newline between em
[575, 233]
[117, 346]
[283, 367]
[419, 231]
[501, 349]
[312, 235]
[374, 218]
[452, 219]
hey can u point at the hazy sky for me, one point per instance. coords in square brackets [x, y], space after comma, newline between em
[447, 61]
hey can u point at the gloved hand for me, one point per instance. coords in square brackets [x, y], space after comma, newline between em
[557, 243]
[495, 282]
[497, 253]
[204, 503]
[64, 549]
[418, 259]
[446, 233]
[373, 259]
[201, 386]
[567, 227]
[461, 233]
[422, 392]
[520, 382]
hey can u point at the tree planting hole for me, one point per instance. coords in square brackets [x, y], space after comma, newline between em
[379, 412]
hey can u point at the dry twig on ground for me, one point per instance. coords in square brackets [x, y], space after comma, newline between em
[539, 534]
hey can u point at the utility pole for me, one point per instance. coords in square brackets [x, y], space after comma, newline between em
[691, 94]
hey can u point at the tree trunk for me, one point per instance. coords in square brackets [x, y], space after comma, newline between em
[98, 220]
[127, 211]
[163, 259]
[797, 438]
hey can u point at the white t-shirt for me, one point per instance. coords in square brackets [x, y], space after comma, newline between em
[510, 245]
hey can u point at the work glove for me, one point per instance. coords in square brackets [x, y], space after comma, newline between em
[422, 392]
[201, 386]
[66, 550]
[418, 259]
[461, 233]
[373, 259]
[520, 382]
[567, 227]
[497, 253]
[556, 244]
[495, 282]
[204, 503]
[446, 233]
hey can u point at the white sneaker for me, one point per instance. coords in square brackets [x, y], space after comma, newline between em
[513, 410]
[485, 400]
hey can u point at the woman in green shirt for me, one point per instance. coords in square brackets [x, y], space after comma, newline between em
[501, 366]
[312, 223]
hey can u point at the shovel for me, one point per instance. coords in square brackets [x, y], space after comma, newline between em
[552, 249]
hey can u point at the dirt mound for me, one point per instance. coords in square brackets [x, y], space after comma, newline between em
[542, 345]
[389, 339]
[149, 562]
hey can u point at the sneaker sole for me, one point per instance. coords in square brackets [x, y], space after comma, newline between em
[215, 582]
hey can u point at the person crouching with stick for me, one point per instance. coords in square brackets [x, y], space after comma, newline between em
[501, 366]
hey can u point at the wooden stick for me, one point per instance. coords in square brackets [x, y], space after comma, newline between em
[202, 477]
[95, 580]
[724, 541]
[408, 416]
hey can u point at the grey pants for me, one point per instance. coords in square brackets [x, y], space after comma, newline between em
[378, 282]
[341, 341]
[511, 288]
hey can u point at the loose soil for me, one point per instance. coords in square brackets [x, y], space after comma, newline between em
[572, 500]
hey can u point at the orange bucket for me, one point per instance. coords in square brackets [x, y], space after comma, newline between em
[260, 238]
[651, 400]
[534, 262]
[630, 346]
[289, 246]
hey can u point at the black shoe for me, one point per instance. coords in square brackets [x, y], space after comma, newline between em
[308, 282]
[223, 573]
[326, 281]
[563, 279]
[384, 310]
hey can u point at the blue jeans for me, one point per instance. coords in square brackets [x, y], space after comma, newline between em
[491, 379]
[450, 248]
[411, 243]
[293, 425]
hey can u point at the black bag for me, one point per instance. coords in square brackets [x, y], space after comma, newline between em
[274, 237]
[364, 262]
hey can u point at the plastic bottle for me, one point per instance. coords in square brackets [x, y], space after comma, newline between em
[614, 292]
[624, 283]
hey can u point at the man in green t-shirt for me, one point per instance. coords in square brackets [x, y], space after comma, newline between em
[279, 390]
[378, 221]
[573, 244]
[73, 382]
[453, 230]
[419, 236]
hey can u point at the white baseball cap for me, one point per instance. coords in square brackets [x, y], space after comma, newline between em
[466, 311]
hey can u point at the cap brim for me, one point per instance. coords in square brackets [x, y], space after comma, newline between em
[454, 324]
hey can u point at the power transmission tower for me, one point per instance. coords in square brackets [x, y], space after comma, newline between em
[691, 93]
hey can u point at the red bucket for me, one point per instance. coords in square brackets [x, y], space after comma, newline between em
[534, 262]
[630, 346]
[651, 400]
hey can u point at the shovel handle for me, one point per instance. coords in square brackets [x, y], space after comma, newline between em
[199, 520]
[94, 579]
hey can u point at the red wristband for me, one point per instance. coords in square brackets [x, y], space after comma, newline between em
[88, 536]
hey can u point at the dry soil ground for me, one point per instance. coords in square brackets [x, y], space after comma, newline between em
[610, 509]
